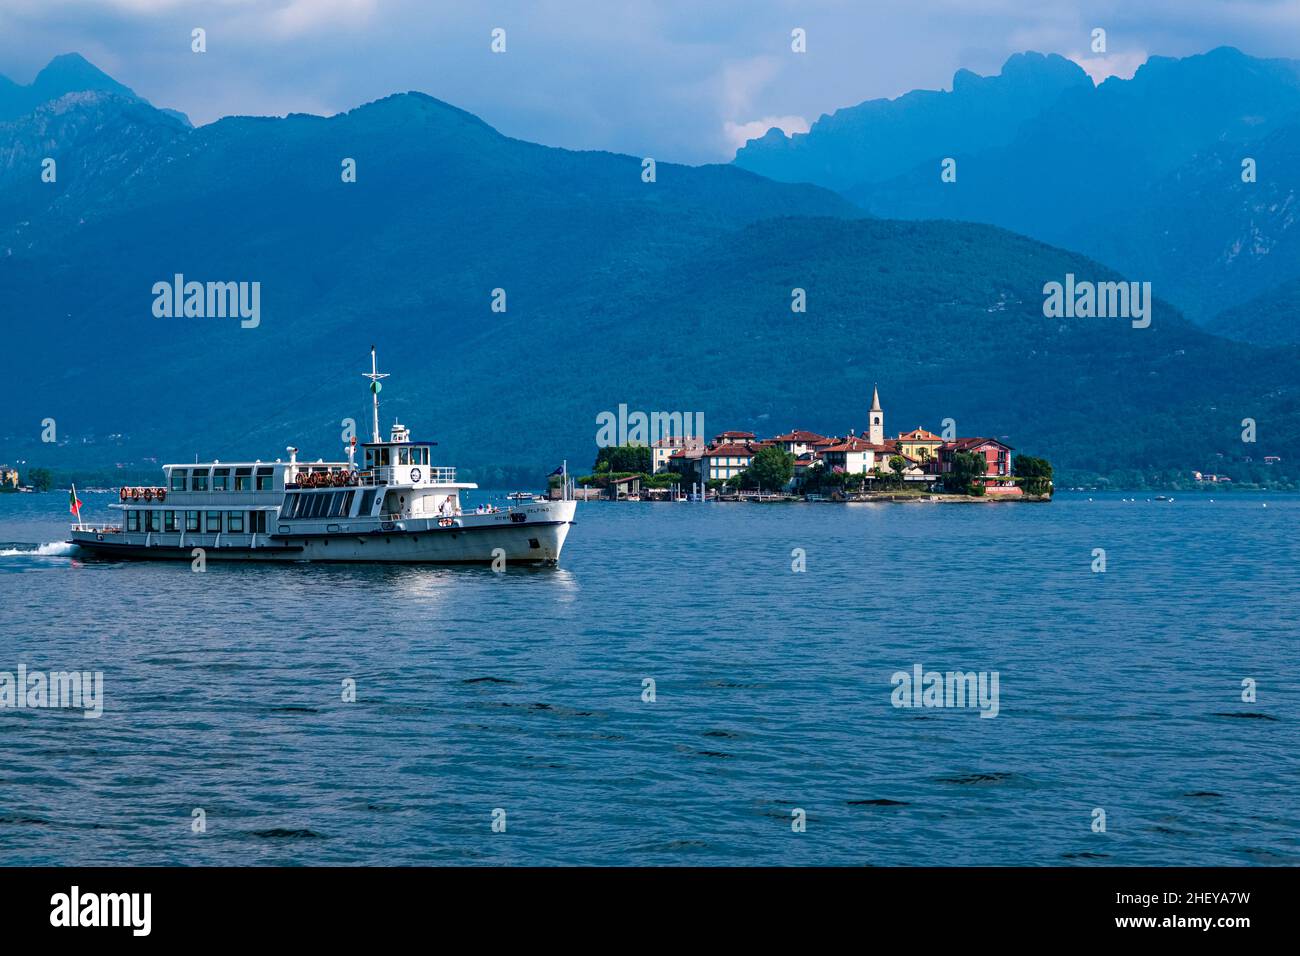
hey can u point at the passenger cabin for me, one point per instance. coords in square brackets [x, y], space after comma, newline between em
[396, 481]
[209, 503]
[231, 503]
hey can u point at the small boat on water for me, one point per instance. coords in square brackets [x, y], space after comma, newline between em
[396, 507]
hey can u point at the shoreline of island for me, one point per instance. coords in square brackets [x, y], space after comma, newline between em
[664, 456]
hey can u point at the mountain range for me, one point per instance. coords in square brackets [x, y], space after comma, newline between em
[68, 73]
[671, 295]
[1144, 174]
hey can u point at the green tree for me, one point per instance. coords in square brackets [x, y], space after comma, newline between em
[771, 468]
[966, 468]
[40, 479]
[896, 465]
[1036, 472]
[634, 459]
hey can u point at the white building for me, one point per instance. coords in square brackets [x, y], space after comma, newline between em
[665, 448]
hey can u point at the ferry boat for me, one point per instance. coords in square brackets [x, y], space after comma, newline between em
[397, 507]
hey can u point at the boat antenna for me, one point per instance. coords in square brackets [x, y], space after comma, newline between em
[375, 375]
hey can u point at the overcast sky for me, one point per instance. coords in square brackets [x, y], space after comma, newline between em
[683, 80]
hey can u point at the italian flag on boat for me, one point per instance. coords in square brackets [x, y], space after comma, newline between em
[74, 505]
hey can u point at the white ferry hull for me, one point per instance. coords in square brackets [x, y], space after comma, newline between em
[532, 535]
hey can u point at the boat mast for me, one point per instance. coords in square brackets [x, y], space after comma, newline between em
[375, 375]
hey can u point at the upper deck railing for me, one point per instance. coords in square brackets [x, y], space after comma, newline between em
[383, 475]
[387, 474]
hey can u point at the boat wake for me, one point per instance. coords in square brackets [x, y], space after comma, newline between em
[52, 549]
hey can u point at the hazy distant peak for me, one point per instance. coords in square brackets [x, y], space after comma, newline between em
[66, 73]
[1031, 63]
[73, 73]
[844, 148]
[414, 104]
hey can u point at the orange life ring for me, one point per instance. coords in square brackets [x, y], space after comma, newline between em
[123, 494]
[136, 492]
[162, 494]
[148, 494]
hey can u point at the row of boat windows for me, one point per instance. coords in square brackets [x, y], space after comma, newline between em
[381, 457]
[220, 479]
[324, 504]
[234, 522]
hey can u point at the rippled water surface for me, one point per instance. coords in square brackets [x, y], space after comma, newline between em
[523, 691]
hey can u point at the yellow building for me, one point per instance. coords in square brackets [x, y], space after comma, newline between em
[919, 444]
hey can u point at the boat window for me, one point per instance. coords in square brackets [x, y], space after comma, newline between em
[367, 501]
[257, 522]
[243, 479]
[263, 479]
[178, 479]
[133, 521]
[370, 457]
[235, 522]
[191, 521]
[169, 521]
[198, 480]
[213, 522]
[155, 520]
[346, 509]
[311, 508]
[336, 500]
[403, 456]
[383, 457]
[221, 479]
[286, 509]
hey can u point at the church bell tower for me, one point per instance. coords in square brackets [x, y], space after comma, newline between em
[876, 429]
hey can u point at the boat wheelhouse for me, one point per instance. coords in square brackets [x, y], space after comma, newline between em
[396, 505]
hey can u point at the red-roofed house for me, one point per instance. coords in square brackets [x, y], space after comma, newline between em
[996, 454]
[686, 462]
[725, 460]
[851, 455]
[797, 442]
[733, 438]
[664, 449]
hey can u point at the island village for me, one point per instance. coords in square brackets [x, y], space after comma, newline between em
[804, 465]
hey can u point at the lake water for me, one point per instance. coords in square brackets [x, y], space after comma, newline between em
[1119, 691]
